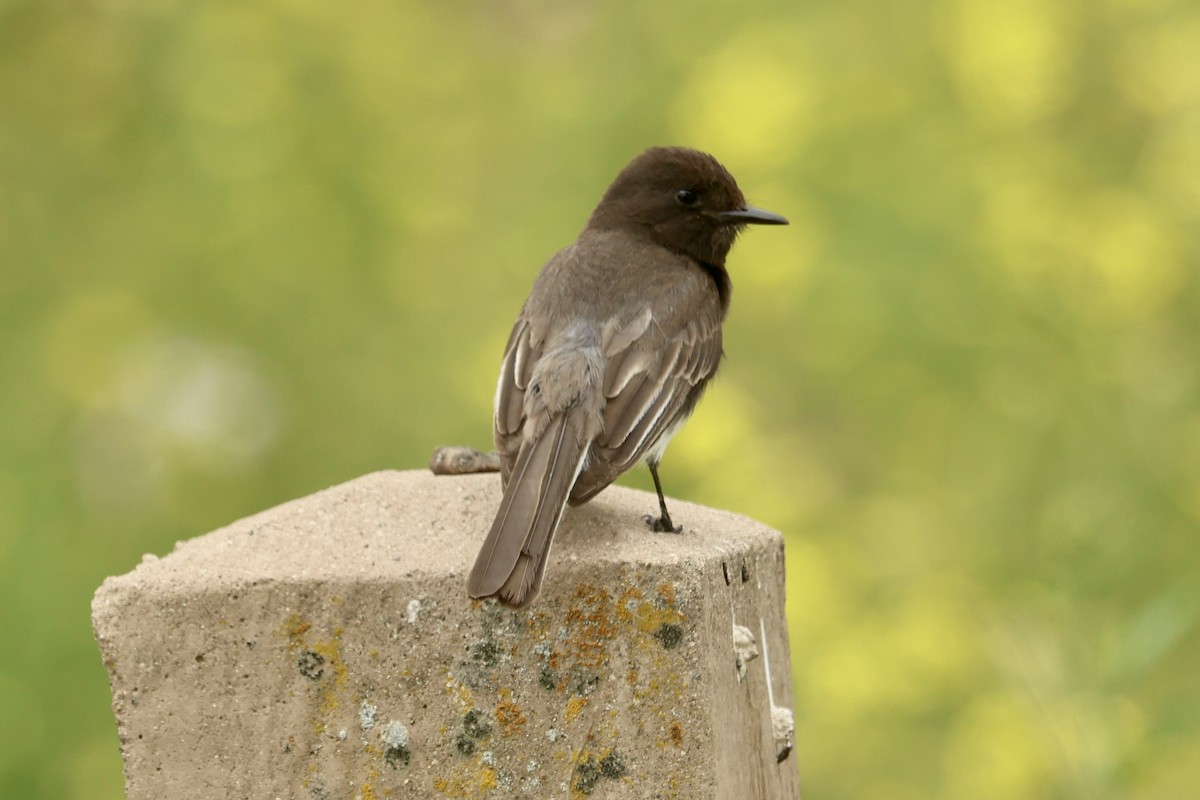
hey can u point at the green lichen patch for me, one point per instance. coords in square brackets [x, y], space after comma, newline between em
[397, 756]
[474, 727]
[311, 665]
[670, 635]
[548, 678]
[486, 652]
[612, 766]
[464, 744]
[590, 770]
[475, 724]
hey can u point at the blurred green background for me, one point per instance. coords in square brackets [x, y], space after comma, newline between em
[252, 249]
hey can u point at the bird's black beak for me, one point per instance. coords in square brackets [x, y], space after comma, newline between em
[752, 216]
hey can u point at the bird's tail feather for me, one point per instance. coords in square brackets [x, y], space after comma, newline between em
[513, 556]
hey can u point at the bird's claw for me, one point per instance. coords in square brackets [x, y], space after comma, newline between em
[662, 524]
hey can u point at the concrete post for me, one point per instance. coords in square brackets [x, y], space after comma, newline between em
[326, 648]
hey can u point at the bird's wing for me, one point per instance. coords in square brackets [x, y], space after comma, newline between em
[653, 377]
[520, 354]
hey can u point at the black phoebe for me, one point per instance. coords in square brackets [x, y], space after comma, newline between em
[610, 354]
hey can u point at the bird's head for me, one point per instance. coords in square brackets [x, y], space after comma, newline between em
[681, 199]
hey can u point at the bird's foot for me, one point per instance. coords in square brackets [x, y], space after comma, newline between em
[662, 524]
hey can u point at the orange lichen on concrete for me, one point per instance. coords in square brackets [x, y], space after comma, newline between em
[320, 656]
[675, 731]
[651, 618]
[508, 715]
[627, 601]
[467, 784]
[460, 692]
[575, 707]
[294, 629]
[590, 625]
[511, 720]
[331, 649]
[449, 787]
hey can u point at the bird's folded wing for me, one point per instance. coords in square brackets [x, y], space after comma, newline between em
[516, 369]
[648, 383]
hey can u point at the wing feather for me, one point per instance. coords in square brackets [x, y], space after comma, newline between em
[650, 384]
[520, 354]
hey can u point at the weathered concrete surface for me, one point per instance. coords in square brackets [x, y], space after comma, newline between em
[326, 648]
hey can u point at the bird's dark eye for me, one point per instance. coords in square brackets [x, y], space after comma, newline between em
[686, 197]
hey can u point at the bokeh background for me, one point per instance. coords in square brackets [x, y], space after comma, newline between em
[252, 249]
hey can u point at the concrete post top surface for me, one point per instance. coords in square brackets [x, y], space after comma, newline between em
[391, 523]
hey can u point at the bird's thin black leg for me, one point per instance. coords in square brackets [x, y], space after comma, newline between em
[661, 523]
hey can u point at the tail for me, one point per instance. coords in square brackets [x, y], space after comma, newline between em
[513, 557]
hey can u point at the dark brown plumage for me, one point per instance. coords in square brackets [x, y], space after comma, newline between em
[610, 353]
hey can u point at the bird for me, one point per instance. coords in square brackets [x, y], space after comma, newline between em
[610, 354]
